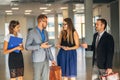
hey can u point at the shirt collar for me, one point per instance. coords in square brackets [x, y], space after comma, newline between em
[39, 29]
[100, 34]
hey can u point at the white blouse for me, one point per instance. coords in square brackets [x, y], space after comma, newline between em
[7, 38]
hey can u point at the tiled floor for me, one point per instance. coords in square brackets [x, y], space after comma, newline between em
[84, 66]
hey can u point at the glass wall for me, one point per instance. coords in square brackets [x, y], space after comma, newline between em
[79, 23]
[50, 27]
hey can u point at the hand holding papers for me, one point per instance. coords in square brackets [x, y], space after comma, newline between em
[14, 42]
[46, 45]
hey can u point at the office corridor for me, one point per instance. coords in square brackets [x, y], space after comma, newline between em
[84, 66]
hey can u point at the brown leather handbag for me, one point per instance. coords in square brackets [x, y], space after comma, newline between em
[55, 73]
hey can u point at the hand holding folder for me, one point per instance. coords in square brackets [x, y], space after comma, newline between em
[14, 42]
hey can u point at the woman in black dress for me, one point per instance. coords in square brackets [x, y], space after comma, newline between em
[16, 65]
[67, 55]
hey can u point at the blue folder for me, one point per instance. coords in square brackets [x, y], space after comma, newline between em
[14, 42]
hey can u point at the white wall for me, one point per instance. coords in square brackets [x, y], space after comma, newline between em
[31, 21]
[25, 23]
[2, 21]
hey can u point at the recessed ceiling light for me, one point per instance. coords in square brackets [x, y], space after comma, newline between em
[48, 4]
[83, 7]
[28, 11]
[8, 11]
[79, 6]
[44, 13]
[64, 8]
[15, 8]
[79, 11]
[42, 8]
[74, 10]
[47, 10]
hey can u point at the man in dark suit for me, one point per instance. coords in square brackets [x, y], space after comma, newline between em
[103, 50]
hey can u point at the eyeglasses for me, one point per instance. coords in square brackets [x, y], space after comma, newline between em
[44, 21]
[64, 24]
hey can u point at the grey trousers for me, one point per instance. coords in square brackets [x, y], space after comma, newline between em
[96, 72]
[41, 70]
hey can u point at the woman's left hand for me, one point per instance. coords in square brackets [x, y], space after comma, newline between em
[66, 48]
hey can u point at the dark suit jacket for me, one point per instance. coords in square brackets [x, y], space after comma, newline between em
[105, 50]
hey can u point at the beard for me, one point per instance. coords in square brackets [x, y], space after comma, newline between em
[44, 26]
[96, 29]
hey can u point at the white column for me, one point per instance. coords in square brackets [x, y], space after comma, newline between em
[119, 22]
[119, 34]
[89, 20]
[88, 26]
[56, 26]
[70, 11]
[56, 31]
[89, 23]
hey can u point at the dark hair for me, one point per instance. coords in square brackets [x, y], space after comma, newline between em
[69, 23]
[103, 21]
[12, 25]
[40, 17]
[71, 29]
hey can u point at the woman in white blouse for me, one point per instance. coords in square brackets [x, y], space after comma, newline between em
[13, 45]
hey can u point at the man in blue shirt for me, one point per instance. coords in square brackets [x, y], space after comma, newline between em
[37, 41]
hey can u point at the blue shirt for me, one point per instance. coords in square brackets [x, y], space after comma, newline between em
[41, 33]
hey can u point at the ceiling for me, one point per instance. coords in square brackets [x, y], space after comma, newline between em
[51, 1]
[33, 6]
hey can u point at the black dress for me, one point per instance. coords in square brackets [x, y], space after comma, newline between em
[67, 59]
[16, 65]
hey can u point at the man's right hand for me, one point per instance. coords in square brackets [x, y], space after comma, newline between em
[53, 63]
[84, 45]
[45, 45]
